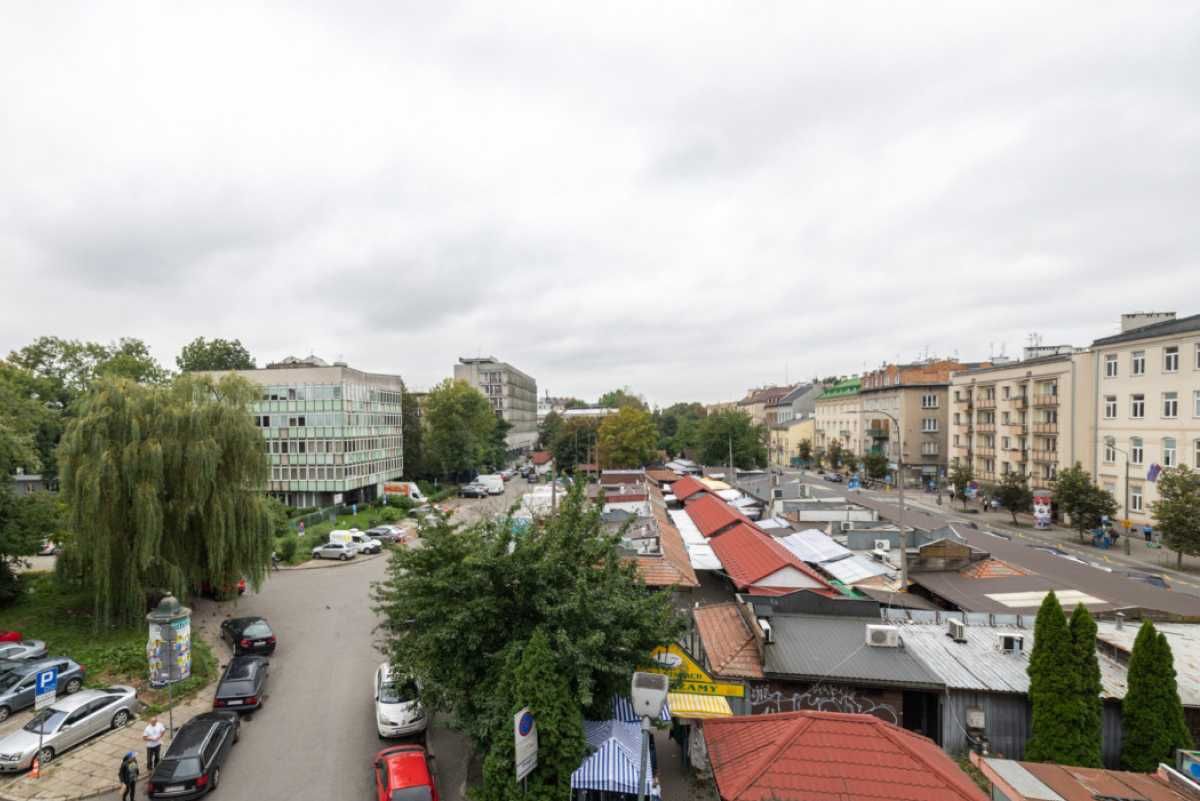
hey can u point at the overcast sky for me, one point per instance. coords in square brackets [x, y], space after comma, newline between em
[686, 198]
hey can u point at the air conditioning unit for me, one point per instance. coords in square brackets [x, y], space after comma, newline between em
[777, 494]
[883, 636]
[956, 630]
[883, 545]
[1010, 643]
[846, 525]
[765, 625]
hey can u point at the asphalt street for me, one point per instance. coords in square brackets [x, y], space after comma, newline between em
[315, 736]
[1101, 582]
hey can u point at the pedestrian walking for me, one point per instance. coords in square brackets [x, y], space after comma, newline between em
[128, 774]
[153, 735]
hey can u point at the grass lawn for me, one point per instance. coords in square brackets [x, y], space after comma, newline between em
[365, 519]
[110, 655]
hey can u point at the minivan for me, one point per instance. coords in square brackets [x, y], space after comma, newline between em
[493, 482]
[362, 543]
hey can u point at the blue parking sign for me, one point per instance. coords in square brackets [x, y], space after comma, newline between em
[47, 682]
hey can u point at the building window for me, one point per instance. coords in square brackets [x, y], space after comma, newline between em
[1136, 452]
[1135, 499]
[1171, 359]
[1170, 404]
[1169, 456]
[1110, 454]
[1138, 365]
[956, 441]
[1004, 443]
[929, 424]
[1196, 403]
[1198, 355]
[958, 395]
[1110, 365]
[929, 448]
[1005, 392]
[1137, 406]
[929, 401]
[958, 417]
[1196, 454]
[1110, 407]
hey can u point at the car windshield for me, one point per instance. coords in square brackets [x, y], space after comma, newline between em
[398, 692]
[420, 793]
[177, 769]
[46, 722]
[9, 679]
[258, 628]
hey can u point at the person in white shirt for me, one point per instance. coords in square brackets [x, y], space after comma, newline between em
[153, 735]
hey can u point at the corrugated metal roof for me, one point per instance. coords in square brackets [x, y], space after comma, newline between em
[712, 515]
[814, 546]
[1184, 639]
[750, 556]
[686, 487]
[854, 568]
[699, 551]
[834, 648]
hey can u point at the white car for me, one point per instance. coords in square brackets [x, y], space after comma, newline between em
[398, 709]
[335, 550]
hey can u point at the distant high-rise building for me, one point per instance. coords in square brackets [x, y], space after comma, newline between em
[513, 396]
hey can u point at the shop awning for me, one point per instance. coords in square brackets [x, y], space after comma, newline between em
[698, 707]
[615, 759]
[622, 710]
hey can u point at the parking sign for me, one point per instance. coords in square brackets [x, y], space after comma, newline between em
[46, 689]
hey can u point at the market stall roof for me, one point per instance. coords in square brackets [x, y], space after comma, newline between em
[854, 568]
[813, 545]
[622, 710]
[699, 551]
[698, 707]
[613, 765]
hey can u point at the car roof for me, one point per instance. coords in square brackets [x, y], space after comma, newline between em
[243, 622]
[33, 665]
[406, 766]
[72, 702]
[241, 668]
[189, 740]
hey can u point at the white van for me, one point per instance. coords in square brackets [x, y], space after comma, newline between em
[407, 489]
[361, 542]
[493, 482]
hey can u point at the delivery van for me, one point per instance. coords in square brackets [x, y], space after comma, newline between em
[407, 489]
[493, 482]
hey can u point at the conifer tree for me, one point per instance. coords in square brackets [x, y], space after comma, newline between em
[1052, 687]
[1152, 723]
[161, 484]
[1090, 734]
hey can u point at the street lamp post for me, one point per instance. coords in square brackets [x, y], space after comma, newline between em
[1111, 442]
[900, 489]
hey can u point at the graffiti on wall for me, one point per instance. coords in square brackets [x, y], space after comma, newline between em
[821, 697]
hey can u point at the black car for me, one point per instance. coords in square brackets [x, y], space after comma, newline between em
[243, 684]
[192, 764]
[248, 635]
[834, 477]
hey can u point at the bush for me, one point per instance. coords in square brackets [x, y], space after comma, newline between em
[287, 548]
[10, 582]
[401, 502]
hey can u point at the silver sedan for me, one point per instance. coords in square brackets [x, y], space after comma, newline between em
[66, 723]
[25, 649]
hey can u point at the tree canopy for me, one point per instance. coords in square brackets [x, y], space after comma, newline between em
[1013, 491]
[550, 430]
[620, 398]
[627, 438]
[1082, 500]
[214, 354]
[162, 485]
[718, 431]
[1177, 510]
[459, 422]
[961, 476]
[576, 443]
[462, 610]
[1089, 735]
[679, 427]
[1052, 687]
[876, 465]
[413, 436]
[1152, 722]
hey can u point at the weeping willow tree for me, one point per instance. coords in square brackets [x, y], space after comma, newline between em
[161, 483]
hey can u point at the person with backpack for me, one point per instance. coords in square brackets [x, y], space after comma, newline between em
[128, 775]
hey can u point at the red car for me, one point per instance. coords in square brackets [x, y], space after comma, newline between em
[10, 636]
[405, 773]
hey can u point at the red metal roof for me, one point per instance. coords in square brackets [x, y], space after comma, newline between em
[686, 487]
[540, 457]
[829, 756]
[749, 556]
[712, 515]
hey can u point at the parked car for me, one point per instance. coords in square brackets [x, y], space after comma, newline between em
[17, 678]
[10, 636]
[358, 539]
[243, 684]
[493, 482]
[66, 723]
[387, 534]
[473, 490]
[398, 709]
[48, 548]
[192, 764]
[405, 773]
[335, 550]
[834, 477]
[248, 635]
[225, 592]
[25, 649]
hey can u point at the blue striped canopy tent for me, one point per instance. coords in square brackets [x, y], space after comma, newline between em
[622, 710]
[613, 766]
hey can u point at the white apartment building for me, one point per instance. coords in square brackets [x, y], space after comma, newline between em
[1147, 386]
[513, 396]
[1034, 417]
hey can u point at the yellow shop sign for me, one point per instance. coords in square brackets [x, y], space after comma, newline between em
[687, 676]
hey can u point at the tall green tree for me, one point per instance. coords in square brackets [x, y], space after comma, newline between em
[1052, 687]
[805, 450]
[1152, 722]
[497, 449]
[876, 465]
[412, 431]
[576, 443]
[627, 438]
[161, 483]
[679, 427]
[536, 679]
[459, 423]
[961, 476]
[1177, 511]
[1082, 500]
[835, 453]
[1013, 491]
[549, 431]
[1089, 736]
[456, 611]
[620, 398]
[720, 431]
[214, 354]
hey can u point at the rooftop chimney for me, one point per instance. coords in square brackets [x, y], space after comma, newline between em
[1139, 319]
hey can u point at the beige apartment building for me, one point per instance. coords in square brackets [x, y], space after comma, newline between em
[916, 396]
[1033, 417]
[513, 396]
[838, 414]
[783, 445]
[1147, 388]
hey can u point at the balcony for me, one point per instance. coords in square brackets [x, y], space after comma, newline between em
[1017, 424]
[986, 403]
[877, 433]
[986, 428]
[1045, 399]
[1045, 428]
[964, 399]
[1020, 401]
[984, 475]
[1045, 456]
[1022, 455]
[985, 451]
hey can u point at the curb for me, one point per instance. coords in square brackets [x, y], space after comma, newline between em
[326, 564]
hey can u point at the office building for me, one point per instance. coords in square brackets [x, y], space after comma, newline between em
[332, 433]
[513, 396]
